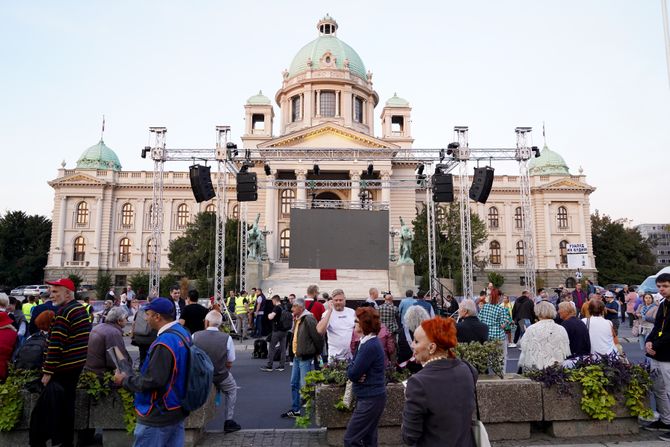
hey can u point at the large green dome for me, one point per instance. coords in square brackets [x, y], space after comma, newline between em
[99, 156]
[548, 163]
[327, 41]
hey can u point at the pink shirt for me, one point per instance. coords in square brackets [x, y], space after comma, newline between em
[630, 302]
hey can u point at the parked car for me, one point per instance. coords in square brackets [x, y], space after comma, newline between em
[649, 284]
[612, 287]
[44, 290]
[18, 291]
[33, 290]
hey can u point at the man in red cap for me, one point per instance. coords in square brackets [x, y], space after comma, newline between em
[66, 353]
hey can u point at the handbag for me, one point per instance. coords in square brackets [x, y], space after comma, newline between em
[479, 433]
[636, 329]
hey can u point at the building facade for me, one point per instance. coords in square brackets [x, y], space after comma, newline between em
[658, 236]
[326, 100]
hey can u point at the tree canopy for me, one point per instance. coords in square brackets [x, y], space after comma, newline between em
[191, 253]
[24, 247]
[448, 243]
[622, 254]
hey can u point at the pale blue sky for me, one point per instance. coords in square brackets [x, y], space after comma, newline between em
[594, 71]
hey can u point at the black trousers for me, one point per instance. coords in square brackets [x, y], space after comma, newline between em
[362, 427]
[63, 431]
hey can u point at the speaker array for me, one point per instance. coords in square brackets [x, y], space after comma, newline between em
[443, 187]
[481, 184]
[201, 183]
[247, 187]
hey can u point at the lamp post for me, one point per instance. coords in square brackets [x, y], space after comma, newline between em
[393, 233]
[264, 247]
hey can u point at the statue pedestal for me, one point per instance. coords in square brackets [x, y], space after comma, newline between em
[257, 271]
[404, 276]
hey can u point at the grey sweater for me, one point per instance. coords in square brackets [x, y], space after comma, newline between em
[215, 344]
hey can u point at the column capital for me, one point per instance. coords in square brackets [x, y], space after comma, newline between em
[386, 175]
[301, 174]
[355, 175]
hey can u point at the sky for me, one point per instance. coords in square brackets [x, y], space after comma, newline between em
[594, 72]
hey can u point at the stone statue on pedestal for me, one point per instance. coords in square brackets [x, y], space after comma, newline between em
[406, 238]
[255, 241]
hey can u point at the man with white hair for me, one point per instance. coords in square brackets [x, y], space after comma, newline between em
[104, 336]
[469, 328]
[221, 350]
[373, 296]
[338, 321]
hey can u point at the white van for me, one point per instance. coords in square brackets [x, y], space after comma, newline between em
[649, 284]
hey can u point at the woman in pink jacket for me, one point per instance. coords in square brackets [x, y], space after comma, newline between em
[631, 299]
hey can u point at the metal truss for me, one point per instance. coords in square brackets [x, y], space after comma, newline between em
[243, 246]
[462, 154]
[523, 155]
[430, 222]
[156, 212]
[340, 204]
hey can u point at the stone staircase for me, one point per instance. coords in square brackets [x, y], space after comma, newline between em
[355, 283]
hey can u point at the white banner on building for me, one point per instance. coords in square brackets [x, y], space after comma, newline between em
[578, 257]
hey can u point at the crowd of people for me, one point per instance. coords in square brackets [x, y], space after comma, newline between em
[58, 338]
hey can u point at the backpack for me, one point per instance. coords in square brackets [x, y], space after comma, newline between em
[286, 320]
[31, 354]
[199, 376]
[141, 325]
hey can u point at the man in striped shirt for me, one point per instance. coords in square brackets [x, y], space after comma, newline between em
[66, 353]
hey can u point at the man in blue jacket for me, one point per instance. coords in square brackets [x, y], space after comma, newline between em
[160, 387]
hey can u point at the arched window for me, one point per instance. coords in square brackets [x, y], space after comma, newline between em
[182, 215]
[79, 251]
[520, 256]
[287, 197]
[236, 211]
[563, 252]
[211, 208]
[151, 249]
[284, 243]
[82, 213]
[127, 215]
[570, 283]
[494, 256]
[518, 217]
[124, 250]
[562, 217]
[494, 217]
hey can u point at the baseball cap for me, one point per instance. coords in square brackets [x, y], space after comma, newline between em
[161, 306]
[609, 294]
[65, 282]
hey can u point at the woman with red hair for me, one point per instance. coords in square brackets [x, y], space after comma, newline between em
[427, 420]
[366, 372]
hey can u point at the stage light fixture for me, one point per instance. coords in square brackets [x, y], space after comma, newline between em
[232, 150]
[316, 169]
[371, 168]
[452, 147]
[441, 155]
[145, 150]
[536, 151]
[268, 171]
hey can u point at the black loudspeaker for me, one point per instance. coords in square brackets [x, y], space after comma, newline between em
[201, 183]
[443, 188]
[247, 187]
[481, 184]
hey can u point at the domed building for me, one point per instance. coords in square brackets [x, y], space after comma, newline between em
[326, 99]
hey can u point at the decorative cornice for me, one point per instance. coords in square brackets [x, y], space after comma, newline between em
[77, 179]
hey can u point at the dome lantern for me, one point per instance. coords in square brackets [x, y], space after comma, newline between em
[327, 26]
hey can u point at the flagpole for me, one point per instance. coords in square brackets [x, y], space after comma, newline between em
[666, 35]
[102, 132]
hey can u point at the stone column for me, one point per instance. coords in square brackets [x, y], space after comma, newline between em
[582, 224]
[386, 188]
[139, 224]
[337, 103]
[509, 251]
[355, 188]
[62, 221]
[301, 195]
[270, 216]
[98, 223]
[317, 112]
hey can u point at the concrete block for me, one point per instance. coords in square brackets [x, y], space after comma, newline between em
[566, 407]
[81, 410]
[495, 398]
[116, 438]
[199, 418]
[326, 396]
[582, 428]
[499, 431]
[14, 438]
[29, 401]
[107, 413]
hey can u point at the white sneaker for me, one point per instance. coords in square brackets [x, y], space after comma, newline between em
[511, 345]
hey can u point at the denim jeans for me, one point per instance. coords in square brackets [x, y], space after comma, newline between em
[258, 326]
[300, 369]
[168, 436]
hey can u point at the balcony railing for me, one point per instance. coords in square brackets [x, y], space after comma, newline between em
[77, 263]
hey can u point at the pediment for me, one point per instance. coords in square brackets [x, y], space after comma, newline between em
[567, 184]
[328, 135]
[76, 180]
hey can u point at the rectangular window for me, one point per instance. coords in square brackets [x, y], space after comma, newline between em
[327, 104]
[258, 121]
[397, 124]
[358, 109]
[295, 109]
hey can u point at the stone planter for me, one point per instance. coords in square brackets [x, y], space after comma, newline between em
[567, 420]
[495, 397]
[105, 414]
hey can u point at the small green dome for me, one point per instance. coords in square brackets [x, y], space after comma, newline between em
[99, 156]
[548, 163]
[397, 101]
[327, 42]
[259, 99]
